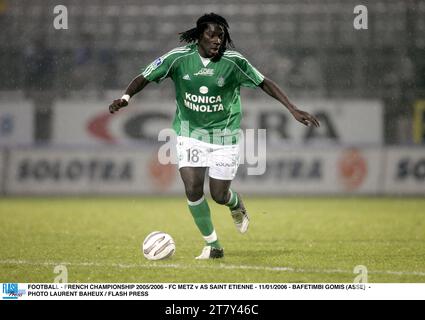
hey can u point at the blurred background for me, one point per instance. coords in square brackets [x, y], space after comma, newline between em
[366, 86]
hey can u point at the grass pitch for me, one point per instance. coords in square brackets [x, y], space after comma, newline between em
[289, 240]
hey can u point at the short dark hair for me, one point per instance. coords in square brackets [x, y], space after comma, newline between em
[193, 35]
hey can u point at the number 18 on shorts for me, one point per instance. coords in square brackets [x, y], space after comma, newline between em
[222, 160]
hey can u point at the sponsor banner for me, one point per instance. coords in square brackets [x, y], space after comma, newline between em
[253, 294]
[94, 171]
[347, 122]
[101, 170]
[405, 171]
[302, 171]
[16, 124]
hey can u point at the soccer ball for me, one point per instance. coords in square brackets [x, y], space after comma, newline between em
[158, 245]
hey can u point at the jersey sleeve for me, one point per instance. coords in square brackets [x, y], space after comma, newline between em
[248, 75]
[162, 67]
[158, 70]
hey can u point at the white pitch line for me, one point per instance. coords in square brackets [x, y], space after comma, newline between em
[202, 266]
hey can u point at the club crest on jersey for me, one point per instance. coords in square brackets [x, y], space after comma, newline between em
[220, 81]
[205, 72]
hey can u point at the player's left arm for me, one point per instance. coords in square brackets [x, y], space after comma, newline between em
[273, 90]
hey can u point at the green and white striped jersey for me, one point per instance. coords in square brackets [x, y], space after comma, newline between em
[207, 92]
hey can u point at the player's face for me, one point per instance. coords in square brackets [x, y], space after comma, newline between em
[211, 40]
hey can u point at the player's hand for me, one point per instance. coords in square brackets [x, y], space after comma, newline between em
[117, 104]
[305, 118]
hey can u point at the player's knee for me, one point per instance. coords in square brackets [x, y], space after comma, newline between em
[194, 193]
[220, 197]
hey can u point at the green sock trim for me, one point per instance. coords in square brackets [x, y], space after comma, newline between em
[233, 201]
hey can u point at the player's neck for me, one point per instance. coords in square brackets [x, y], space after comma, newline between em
[205, 61]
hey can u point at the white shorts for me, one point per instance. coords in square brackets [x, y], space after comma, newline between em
[222, 161]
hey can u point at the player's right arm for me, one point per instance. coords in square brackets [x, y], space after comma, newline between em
[135, 86]
[157, 71]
